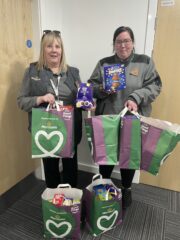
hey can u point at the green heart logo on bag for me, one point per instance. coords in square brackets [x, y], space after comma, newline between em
[49, 134]
[104, 215]
[58, 141]
[52, 226]
[105, 223]
[59, 222]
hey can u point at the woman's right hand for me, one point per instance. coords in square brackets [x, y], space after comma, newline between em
[131, 105]
[47, 98]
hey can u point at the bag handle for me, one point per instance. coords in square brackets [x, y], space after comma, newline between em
[125, 110]
[55, 106]
[136, 114]
[89, 114]
[65, 185]
[109, 189]
[121, 114]
[178, 131]
[97, 176]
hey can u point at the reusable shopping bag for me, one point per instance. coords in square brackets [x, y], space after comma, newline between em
[130, 142]
[102, 133]
[52, 132]
[159, 138]
[61, 221]
[102, 215]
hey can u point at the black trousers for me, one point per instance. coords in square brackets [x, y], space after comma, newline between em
[126, 174]
[53, 176]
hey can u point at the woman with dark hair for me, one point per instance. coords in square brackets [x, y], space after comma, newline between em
[48, 80]
[143, 85]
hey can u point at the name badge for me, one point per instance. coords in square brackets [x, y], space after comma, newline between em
[134, 72]
[35, 78]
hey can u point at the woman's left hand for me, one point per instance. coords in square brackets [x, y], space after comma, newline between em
[131, 105]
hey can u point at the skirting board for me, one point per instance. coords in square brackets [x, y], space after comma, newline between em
[39, 173]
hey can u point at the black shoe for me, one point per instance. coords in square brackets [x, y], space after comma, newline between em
[126, 198]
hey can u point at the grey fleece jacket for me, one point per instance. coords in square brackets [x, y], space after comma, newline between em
[143, 85]
[37, 83]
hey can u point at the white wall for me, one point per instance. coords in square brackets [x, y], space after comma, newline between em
[87, 29]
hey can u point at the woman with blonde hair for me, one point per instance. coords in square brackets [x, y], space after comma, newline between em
[46, 81]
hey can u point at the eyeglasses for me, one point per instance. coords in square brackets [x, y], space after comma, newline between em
[125, 42]
[45, 32]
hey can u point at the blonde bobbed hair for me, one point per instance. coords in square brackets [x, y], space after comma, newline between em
[46, 40]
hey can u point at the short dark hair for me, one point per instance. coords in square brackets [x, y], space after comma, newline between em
[123, 29]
